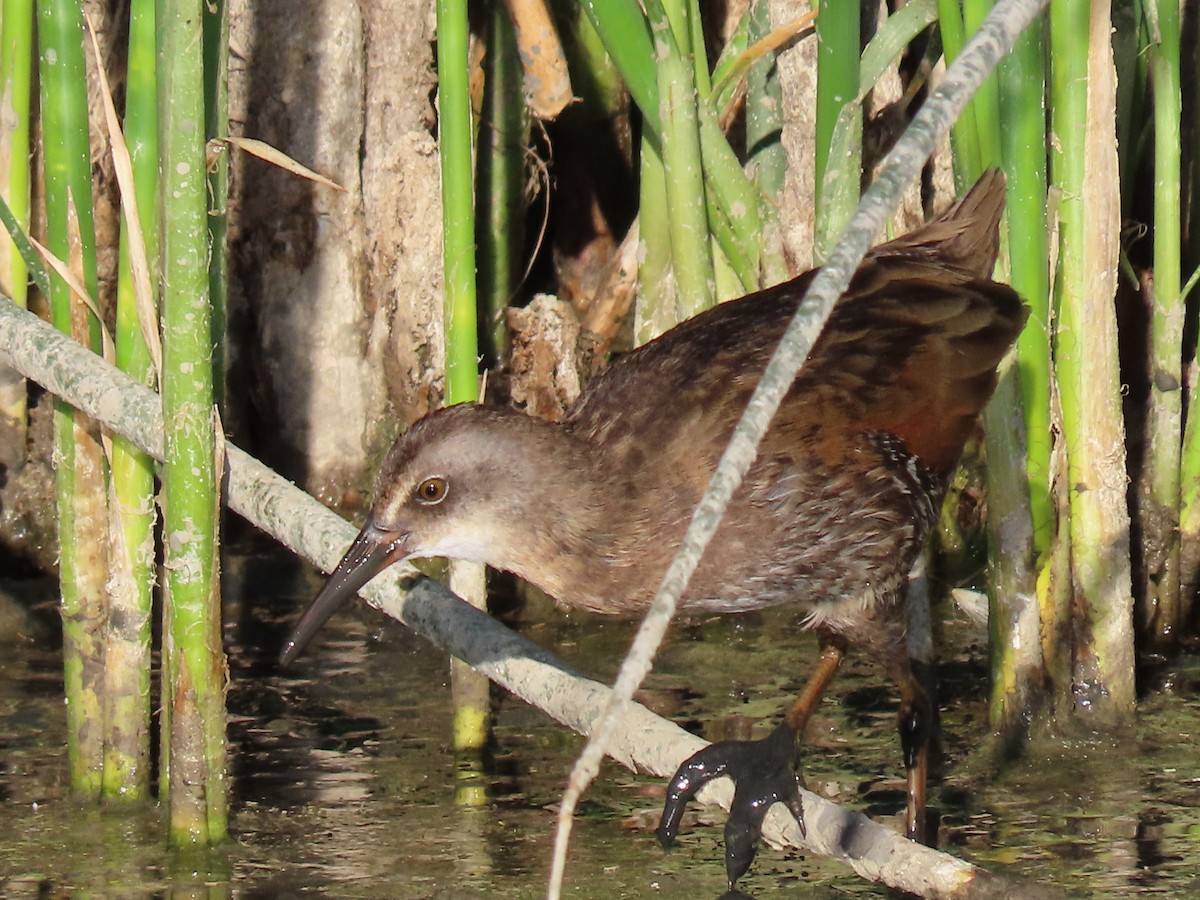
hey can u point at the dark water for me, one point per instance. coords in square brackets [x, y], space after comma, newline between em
[344, 783]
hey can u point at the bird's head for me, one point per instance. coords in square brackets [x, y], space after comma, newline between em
[458, 484]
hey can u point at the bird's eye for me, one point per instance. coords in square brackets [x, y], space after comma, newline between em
[432, 491]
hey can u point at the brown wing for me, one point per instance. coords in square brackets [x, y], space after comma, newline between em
[909, 355]
[911, 349]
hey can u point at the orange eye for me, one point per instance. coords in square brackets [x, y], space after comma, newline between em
[432, 491]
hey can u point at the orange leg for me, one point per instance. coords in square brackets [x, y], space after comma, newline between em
[764, 772]
[833, 651]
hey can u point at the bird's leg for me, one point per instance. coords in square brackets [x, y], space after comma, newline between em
[916, 728]
[833, 651]
[764, 772]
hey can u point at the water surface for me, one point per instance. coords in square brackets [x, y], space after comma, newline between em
[344, 783]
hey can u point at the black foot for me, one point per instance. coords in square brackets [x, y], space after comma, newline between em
[763, 775]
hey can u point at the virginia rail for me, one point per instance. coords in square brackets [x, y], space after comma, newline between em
[832, 514]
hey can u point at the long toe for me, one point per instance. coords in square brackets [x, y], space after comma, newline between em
[697, 771]
[757, 789]
[763, 775]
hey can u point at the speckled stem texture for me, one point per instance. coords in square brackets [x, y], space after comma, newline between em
[194, 662]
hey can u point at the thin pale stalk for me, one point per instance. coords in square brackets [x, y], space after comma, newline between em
[839, 48]
[1159, 509]
[1084, 170]
[16, 68]
[127, 758]
[79, 465]
[192, 640]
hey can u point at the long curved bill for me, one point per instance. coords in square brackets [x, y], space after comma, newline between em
[372, 551]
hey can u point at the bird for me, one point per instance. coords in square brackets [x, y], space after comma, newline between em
[832, 514]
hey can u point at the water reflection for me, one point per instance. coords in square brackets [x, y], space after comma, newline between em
[345, 782]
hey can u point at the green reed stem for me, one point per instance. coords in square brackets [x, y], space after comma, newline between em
[16, 69]
[127, 760]
[1084, 170]
[1017, 421]
[458, 212]
[471, 702]
[1160, 513]
[984, 109]
[500, 227]
[1022, 104]
[838, 180]
[194, 662]
[80, 474]
[655, 310]
[687, 220]
[965, 137]
[732, 202]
